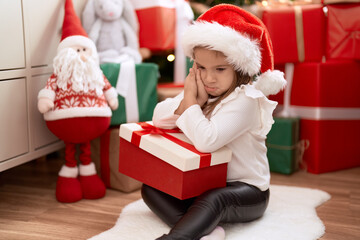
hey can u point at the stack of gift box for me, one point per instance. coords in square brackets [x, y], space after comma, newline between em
[159, 21]
[166, 159]
[105, 150]
[318, 47]
[319, 109]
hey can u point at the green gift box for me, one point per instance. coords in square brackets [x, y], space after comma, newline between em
[283, 143]
[147, 75]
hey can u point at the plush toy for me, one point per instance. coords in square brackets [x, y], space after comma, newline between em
[75, 103]
[113, 26]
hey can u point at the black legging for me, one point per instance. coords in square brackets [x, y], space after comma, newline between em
[193, 218]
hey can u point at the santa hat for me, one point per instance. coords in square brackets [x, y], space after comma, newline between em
[244, 40]
[72, 31]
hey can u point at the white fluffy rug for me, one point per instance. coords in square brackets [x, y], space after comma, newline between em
[291, 215]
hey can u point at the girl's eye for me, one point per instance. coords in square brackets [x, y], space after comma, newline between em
[201, 67]
[220, 69]
[84, 49]
[78, 50]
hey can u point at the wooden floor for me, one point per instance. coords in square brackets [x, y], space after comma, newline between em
[29, 210]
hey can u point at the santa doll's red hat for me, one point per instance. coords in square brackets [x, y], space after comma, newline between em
[244, 40]
[73, 34]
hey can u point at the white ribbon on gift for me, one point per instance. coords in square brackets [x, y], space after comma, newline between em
[312, 113]
[325, 113]
[126, 87]
[184, 16]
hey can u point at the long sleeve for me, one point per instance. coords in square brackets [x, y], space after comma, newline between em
[164, 116]
[234, 118]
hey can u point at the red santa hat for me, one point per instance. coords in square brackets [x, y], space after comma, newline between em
[244, 40]
[73, 33]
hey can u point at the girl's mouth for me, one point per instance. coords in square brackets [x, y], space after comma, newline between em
[209, 89]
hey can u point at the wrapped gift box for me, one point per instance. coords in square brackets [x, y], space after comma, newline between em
[343, 31]
[165, 160]
[297, 32]
[146, 82]
[157, 21]
[326, 98]
[105, 155]
[160, 22]
[283, 145]
[169, 90]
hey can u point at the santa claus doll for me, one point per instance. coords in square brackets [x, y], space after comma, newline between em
[76, 104]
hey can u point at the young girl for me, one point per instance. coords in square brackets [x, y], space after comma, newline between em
[223, 104]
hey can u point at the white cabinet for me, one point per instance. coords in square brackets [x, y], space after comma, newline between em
[30, 31]
[44, 22]
[11, 35]
[13, 122]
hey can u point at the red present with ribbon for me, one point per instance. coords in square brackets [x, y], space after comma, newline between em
[343, 31]
[166, 160]
[158, 22]
[105, 155]
[325, 96]
[297, 32]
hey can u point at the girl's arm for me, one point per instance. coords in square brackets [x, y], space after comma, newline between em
[233, 119]
[167, 112]
[164, 113]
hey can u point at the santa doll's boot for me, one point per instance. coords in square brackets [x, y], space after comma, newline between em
[68, 187]
[91, 184]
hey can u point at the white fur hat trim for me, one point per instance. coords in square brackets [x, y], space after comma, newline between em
[270, 82]
[77, 40]
[242, 52]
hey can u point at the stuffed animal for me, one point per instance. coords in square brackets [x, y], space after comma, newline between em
[113, 26]
[75, 103]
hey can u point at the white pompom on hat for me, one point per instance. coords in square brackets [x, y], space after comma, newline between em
[73, 34]
[244, 40]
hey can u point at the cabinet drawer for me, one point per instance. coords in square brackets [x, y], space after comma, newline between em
[13, 119]
[44, 22]
[45, 19]
[11, 35]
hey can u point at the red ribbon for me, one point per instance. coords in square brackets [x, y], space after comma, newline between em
[205, 158]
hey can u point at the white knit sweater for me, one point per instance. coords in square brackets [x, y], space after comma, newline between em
[241, 122]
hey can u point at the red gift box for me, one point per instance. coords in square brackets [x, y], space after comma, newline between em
[157, 23]
[343, 31]
[297, 32]
[168, 90]
[105, 155]
[165, 160]
[326, 98]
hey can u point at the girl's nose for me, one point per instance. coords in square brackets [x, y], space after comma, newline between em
[209, 77]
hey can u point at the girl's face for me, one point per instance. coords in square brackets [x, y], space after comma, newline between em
[216, 73]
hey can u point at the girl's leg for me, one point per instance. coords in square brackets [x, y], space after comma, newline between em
[238, 202]
[217, 234]
[166, 207]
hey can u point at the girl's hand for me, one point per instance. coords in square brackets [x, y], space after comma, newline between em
[190, 92]
[202, 95]
[190, 86]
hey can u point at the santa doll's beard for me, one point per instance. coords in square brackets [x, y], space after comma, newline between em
[83, 76]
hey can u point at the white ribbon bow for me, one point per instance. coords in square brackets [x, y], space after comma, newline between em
[126, 87]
